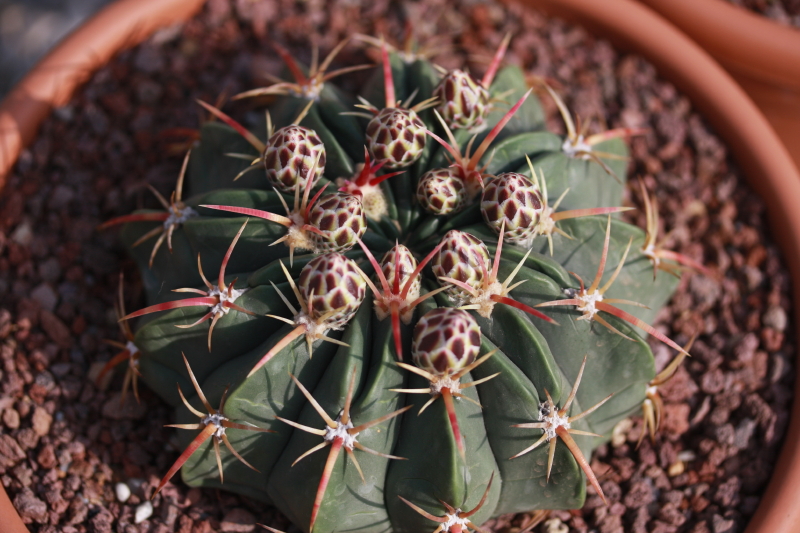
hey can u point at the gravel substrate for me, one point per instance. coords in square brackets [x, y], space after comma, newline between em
[69, 453]
[783, 11]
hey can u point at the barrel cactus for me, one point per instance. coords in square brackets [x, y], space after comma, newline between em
[441, 347]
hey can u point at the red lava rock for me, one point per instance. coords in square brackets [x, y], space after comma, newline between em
[9, 449]
[30, 508]
[47, 457]
[701, 527]
[41, 421]
[203, 526]
[680, 388]
[11, 418]
[772, 339]
[130, 409]
[727, 493]
[722, 525]
[639, 494]
[661, 527]
[101, 522]
[55, 329]
[185, 524]
[612, 524]
[676, 418]
[671, 515]
[713, 381]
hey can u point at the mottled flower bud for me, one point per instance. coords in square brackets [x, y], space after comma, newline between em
[514, 199]
[464, 102]
[396, 136]
[401, 262]
[290, 155]
[340, 218]
[441, 192]
[463, 257]
[445, 341]
[332, 282]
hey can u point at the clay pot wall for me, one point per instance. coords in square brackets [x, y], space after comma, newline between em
[627, 23]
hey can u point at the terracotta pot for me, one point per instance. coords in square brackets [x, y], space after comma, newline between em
[763, 56]
[766, 162]
[51, 83]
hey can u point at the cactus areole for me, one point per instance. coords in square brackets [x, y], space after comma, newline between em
[407, 355]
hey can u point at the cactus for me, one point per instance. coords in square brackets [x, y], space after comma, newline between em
[463, 221]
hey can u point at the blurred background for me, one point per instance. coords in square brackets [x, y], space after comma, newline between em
[29, 28]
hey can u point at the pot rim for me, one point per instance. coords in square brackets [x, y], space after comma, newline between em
[767, 165]
[51, 83]
[746, 42]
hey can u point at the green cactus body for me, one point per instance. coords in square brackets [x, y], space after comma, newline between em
[533, 357]
[589, 183]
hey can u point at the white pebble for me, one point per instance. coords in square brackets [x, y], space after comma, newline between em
[555, 525]
[619, 435]
[143, 512]
[123, 492]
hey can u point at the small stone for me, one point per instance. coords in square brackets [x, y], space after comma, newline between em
[148, 92]
[640, 494]
[47, 457]
[775, 318]
[676, 418]
[30, 508]
[619, 435]
[721, 525]
[143, 512]
[727, 493]
[706, 290]
[713, 381]
[45, 295]
[725, 434]
[744, 431]
[27, 438]
[10, 449]
[101, 522]
[130, 409]
[11, 418]
[41, 421]
[148, 59]
[50, 270]
[555, 525]
[123, 492]
[23, 235]
[55, 329]
[675, 469]
[61, 197]
[238, 521]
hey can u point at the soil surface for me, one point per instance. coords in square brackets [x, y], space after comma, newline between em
[70, 454]
[783, 11]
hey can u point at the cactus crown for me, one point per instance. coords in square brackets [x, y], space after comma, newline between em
[475, 281]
